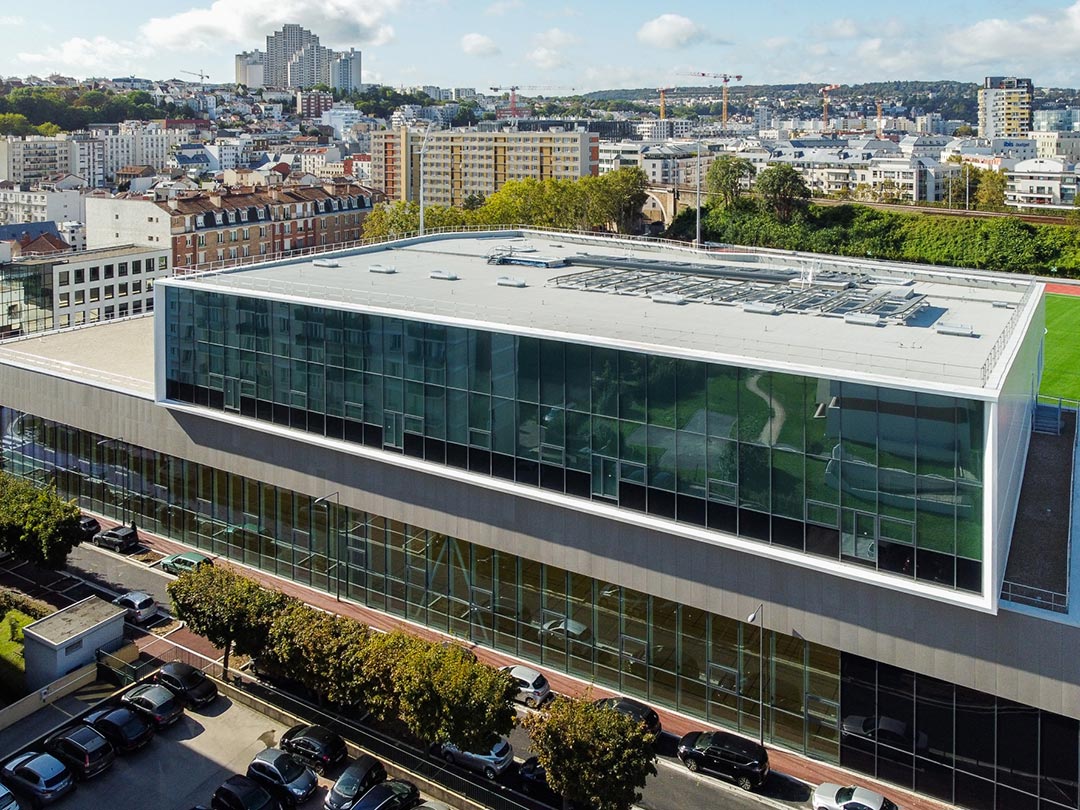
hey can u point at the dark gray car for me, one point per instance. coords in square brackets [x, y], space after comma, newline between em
[283, 775]
[120, 538]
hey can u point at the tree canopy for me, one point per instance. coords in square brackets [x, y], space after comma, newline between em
[726, 177]
[782, 190]
[35, 523]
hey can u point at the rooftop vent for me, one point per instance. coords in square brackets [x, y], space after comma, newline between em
[510, 281]
[326, 263]
[957, 329]
[668, 298]
[761, 308]
[1002, 305]
[863, 319]
[898, 293]
[443, 275]
[385, 269]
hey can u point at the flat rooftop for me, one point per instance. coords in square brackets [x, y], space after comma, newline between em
[60, 627]
[805, 313]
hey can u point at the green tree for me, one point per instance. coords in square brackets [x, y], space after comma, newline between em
[378, 666]
[472, 201]
[962, 189]
[621, 196]
[445, 696]
[783, 191]
[990, 195]
[35, 523]
[229, 610]
[593, 756]
[14, 124]
[725, 177]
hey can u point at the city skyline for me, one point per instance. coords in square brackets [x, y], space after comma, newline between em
[556, 48]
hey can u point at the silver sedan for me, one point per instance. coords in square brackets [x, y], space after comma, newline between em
[838, 797]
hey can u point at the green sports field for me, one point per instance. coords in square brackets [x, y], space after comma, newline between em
[1061, 362]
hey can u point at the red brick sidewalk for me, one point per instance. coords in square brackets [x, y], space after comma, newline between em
[806, 770]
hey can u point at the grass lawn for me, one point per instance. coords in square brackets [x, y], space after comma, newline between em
[12, 664]
[1061, 363]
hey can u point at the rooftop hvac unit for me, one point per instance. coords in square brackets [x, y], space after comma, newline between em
[761, 308]
[957, 329]
[385, 269]
[443, 275]
[510, 281]
[863, 319]
[668, 298]
[326, 263]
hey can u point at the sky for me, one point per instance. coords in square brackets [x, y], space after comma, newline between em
[558, 47]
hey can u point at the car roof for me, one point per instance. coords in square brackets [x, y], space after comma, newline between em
[79, 734]
[870, 798]
[178, 668]
[45, 765]
[525, 673]
[312, 732]
[241, 785]
[154, 691]
[361, 765]
[108, 713]
[733, 742]
[138, 596]
[272, 755]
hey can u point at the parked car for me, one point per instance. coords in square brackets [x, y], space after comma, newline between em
[83, 749]
[362, 774]
[316, 746]
[533, 687]
[88, 527]
[394, 794]
[558, 631]
[119, 538]
[41, 777]
[490, 764]
[635, 709]
[189, 684]
[283, 775]
[140, 606]
[7, 799]
[124, 727]
[155, 702]
[241, 793]
[837, 797]
[742, 761]
[184, 561]
[888, 730]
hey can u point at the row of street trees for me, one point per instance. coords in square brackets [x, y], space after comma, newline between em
[612, 200]
[439, 693]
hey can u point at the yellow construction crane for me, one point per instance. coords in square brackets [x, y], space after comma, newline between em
[663, 91]
[725, 78]
[825, 105]
[202, 76]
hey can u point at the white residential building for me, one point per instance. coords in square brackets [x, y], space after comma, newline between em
[250, 67]
[36, 157]
[39, 205]
[1041, 183]
[1057, 144]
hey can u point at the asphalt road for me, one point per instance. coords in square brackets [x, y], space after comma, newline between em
[673, 787]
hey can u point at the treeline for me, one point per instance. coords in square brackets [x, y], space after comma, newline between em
[439, 693]
[613, 199]
[1001, 243]
[48, 110]
[35, 523]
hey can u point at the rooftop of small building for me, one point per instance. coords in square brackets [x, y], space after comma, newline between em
[935, 328]
[67, 624]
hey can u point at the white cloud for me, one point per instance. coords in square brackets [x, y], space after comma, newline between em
[546, 58]
[500, 7]
[11, 20]
[89, 56]
[671, 31]
[778, 43]
[479, 45]
[337, 22]
[995, 41]
[842, 28]
[555, 38]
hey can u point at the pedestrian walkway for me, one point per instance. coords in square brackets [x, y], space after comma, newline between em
[812, 772]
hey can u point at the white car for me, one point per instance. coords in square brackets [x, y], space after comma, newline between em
[533, 687]
[838, 797]
[140, 606]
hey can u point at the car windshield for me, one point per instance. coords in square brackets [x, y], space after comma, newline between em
[144, 603]
[888, 805]
[703, 742]
[289, 768]
[133, 726]
[844, 794]
[349, 784]
[56, 779]
[540, 682]
[166, 706]
[192, 679]
[500, 749]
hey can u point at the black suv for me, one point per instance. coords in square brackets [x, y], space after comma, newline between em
[83, 749]
[121, 538]
[88, 527]
[742, 761]
[316, 746]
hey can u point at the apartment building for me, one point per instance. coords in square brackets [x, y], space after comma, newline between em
[211, 227]
[295, 58]
[581, 476]
[1042, 183]
[36, 158]
[1063, 120]
[136, 143]
[457, 163]
[1061, 144]
[20, 203]
[1005, 107]
[250, 69]
[313, 103]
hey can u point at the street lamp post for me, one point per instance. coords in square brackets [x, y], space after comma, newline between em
[753, 617]
[697, 232]
[335, 534]
[127, 476]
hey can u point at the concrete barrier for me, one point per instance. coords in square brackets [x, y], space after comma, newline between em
[24, 707]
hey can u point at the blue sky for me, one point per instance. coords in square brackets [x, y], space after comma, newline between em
[561, 44]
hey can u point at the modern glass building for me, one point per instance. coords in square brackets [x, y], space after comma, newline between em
[601, 456]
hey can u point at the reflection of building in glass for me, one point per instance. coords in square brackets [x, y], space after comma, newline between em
[601, 458]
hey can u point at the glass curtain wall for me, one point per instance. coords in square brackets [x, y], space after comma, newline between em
[946, 741]
[875, 477]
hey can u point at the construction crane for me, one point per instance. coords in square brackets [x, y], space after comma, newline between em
[663, 91]
[513, 88]
[880, 122]
[202, 76]
[825, 105]
[725, 78]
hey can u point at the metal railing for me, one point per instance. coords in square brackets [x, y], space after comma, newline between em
[1035, 597]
